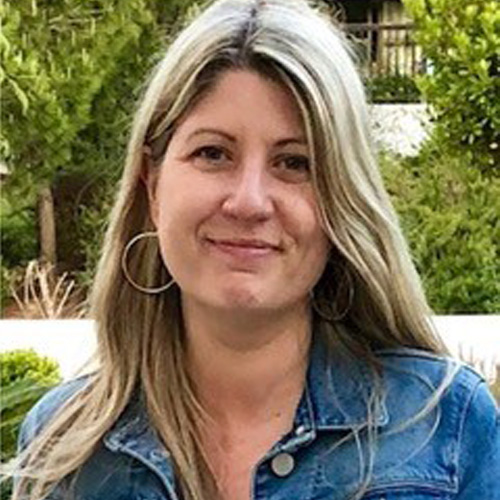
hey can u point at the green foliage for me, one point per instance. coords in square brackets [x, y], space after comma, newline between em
[71, 74]
[18, 241]
[24, 378]
[56, 58]
[15, 401]
[4, 285]
[392, 89]
[18, 235]
[449, 213]
[23, 364]
[461, 38]
[5, 488]
[92, 226]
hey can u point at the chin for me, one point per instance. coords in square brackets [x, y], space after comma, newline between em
[241, 298]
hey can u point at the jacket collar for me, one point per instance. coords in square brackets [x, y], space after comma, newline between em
[134, 435]
[335, 397]
[339, 386]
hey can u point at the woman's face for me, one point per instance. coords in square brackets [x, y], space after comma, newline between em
[233, 201]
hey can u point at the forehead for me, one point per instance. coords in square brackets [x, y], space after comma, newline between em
[245, 100]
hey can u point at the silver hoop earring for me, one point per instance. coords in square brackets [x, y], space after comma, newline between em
[130, 244]
[332, 318]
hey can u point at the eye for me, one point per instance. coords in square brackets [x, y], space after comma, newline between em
[298, 163]
[210, 154]
[294, 168]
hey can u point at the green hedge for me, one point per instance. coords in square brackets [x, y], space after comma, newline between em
[24, 378]
[18, 236]
[392, 89]
[461, 39]
[449, 213]
[18, 240]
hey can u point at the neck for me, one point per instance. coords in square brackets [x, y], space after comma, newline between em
[247, 370]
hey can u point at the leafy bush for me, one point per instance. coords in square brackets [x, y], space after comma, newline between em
[92, 225]
[18, 235]
[461, 38]
[4, 285]
[392, 89]
[26, 364]
[449, 214]
[24, 377]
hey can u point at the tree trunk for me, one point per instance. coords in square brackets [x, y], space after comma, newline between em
[47, 226]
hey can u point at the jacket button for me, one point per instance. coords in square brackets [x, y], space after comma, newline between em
[282, 464]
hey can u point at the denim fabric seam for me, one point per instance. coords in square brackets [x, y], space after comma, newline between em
[434, 487]
[152, 467]
[463, 417]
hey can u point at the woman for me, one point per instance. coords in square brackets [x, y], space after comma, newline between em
[262, 330]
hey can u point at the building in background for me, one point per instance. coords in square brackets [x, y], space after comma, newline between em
[383, 32]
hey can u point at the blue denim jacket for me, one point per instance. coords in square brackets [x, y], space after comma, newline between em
[452, 453]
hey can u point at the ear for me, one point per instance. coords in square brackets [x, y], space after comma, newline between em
[149, 176]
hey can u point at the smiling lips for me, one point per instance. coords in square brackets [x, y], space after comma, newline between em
[244, 248]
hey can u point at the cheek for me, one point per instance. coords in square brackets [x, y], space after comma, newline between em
[306, 221]
[171, 214]
[317, 254]
[312, 243]
[183, 205]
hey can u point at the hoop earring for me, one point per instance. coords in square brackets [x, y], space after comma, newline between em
[130, 244]
[339, 316]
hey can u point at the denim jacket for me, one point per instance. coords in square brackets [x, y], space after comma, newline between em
[450, 453]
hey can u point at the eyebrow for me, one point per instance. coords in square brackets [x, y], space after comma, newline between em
[232, 138]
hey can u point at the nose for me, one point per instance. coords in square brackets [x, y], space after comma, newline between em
[249, 197]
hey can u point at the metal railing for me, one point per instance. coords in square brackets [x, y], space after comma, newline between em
[387, 49]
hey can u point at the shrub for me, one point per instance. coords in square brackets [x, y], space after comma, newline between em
[449, 214]
[24, 377]
[91, 228]
[4, 285]
[461, 38]
[18, 240]
[18, 235]
[392, 89]
[26, 364]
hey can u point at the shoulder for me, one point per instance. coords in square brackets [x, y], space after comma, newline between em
[46, 407]
[434, 369]
[466, 414]
[457, 384]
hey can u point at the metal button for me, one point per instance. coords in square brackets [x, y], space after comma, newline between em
[283, 464]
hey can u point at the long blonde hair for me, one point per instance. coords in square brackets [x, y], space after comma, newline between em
[370, 296]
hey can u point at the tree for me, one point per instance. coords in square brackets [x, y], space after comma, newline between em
[56, 58]
[71, 72]
[461, 38]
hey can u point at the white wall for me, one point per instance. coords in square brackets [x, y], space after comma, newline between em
[400, 128]
[72, 342]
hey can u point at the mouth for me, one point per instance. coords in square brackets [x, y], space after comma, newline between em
[243, 248]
